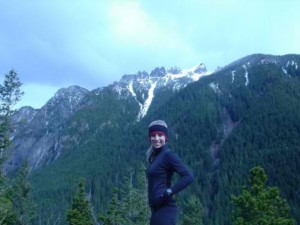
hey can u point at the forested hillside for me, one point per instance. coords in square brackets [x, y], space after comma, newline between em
[244, 115]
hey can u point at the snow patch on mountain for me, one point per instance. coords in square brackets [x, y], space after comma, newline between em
[215, 87]
[284, 70]
[141, 86]
[196, 72]
[232, 76]
[292, 63]
[130, 88]
[246, 75]
[118, 89]
[268, 61]
[147, 103]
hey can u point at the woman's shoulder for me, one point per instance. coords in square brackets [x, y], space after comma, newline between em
[170, 154]
[168, 151]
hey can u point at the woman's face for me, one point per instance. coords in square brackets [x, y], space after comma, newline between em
[157, 140]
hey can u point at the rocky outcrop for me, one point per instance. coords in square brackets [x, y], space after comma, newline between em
[35, 137]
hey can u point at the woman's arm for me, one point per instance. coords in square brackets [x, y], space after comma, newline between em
[186, 177]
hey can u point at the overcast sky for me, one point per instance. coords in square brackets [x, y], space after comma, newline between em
[92, 43]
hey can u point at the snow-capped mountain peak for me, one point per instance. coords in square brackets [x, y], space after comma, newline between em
[143, 86]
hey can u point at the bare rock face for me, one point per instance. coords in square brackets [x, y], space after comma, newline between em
[36, 134]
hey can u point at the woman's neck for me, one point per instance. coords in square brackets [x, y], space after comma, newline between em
[158, 150]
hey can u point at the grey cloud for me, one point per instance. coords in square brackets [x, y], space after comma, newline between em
[61, 43]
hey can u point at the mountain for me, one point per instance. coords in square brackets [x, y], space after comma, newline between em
[37, 136]
[243, 115]
[142, 86]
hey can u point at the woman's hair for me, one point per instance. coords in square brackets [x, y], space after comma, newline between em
[149, 152]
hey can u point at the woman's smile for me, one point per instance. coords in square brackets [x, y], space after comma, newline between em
[157, 140]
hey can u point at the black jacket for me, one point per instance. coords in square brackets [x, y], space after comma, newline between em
[159, 174]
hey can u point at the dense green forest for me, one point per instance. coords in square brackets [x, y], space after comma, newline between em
[245, 115]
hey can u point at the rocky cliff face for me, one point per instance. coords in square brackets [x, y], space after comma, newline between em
[36, 133]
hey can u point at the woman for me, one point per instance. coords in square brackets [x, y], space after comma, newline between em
[162, 164]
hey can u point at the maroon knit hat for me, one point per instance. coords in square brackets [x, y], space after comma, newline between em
[158, 126]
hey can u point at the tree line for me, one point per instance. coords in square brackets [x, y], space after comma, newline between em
[257, 204]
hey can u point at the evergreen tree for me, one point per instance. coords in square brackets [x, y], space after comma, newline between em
[259, 204]
[193, 212]
[7, 215]
[129, 206]
[80, 212]
[10, 94]
[134, 198]
[115, 214]
[23, 205]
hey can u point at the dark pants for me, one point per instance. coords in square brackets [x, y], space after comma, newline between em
[165, 215]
